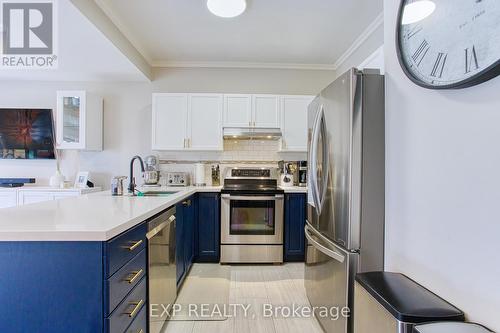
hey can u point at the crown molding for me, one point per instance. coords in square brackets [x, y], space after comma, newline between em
[379, 20]
[225, 64]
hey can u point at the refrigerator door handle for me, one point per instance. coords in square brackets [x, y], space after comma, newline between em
[325, 160]
[329, 252]
[319, 128]
[313, 168]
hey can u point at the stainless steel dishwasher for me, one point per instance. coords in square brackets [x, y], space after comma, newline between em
[162, 269]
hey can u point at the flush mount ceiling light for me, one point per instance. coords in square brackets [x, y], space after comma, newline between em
[227, 8]
[417, 11]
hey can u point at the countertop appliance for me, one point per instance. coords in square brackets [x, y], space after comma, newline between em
[177, 179]
[302, 173]
[251, 216]
[345, 223]
[162, 266]
[288, 171]
[151, 174]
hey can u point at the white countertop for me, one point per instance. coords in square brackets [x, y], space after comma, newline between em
[52, 189]
[294, 189]
[90, 217]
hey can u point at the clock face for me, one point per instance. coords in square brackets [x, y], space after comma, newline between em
[449, 43]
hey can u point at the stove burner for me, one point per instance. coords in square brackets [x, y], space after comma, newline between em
[251, 181]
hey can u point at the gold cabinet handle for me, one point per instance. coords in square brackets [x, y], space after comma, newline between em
[140, 331]
[135, 245]
[186, 203]
[135, 309]
[134, 276]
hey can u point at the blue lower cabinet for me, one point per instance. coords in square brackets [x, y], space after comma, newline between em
[140, 323]
[128, 309]
[189, 222]
[179, 241]
[123, 281]
[85, 287]
[208, 227]
[124, 247]
[52, 287]
[295, 219]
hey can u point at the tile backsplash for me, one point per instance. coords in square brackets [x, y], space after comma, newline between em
[264, 152]
[252, 150]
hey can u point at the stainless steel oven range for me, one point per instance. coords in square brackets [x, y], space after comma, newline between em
[251, 216]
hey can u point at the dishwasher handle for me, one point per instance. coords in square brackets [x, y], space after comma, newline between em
[151, 233]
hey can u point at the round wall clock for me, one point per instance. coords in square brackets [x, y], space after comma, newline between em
[444, 44]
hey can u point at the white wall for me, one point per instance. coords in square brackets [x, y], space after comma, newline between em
[443, 187]
[127, 113]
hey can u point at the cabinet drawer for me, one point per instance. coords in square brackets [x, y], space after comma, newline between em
[126, 278]
[128, 310]
[124, 247]
[140, 323]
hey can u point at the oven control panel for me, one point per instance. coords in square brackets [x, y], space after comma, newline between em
[251, 173]
[177, 179]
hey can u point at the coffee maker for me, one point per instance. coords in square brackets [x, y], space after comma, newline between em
[302, 166]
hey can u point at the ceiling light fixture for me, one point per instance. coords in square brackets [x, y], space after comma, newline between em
[417, 11]
[227, 8]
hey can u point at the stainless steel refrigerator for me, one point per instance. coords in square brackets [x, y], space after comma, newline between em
[345, 223]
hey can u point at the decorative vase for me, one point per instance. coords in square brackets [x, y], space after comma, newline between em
[57, 180]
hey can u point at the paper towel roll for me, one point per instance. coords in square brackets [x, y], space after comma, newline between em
[199, 174]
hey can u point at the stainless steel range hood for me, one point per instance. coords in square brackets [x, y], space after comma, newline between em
[250, 133]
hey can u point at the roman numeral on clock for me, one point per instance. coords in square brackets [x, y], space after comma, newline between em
[471, 59]
[421, 52]
[413, 31]
[438, 68]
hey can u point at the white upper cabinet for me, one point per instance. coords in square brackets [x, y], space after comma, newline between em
[237, 110]
[170, 114]
[205, 122]
[242, 110]
[79, 120]
[187, 122]
[294, 122]
[265, 111]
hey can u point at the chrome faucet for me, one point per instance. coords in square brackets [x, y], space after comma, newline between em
[131, 186]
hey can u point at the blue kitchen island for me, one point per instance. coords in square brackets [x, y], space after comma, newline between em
[81, 264]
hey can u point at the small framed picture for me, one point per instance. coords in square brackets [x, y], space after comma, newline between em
[81, 179]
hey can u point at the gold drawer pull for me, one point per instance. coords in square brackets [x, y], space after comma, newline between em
[136, 308]
[135, 274]
[135, 245]
[140, 331]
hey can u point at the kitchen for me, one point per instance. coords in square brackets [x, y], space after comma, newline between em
[251, 95]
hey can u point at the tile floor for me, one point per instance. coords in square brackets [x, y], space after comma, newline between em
[254, 285]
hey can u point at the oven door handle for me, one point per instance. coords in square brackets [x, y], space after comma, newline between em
[252, 198]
